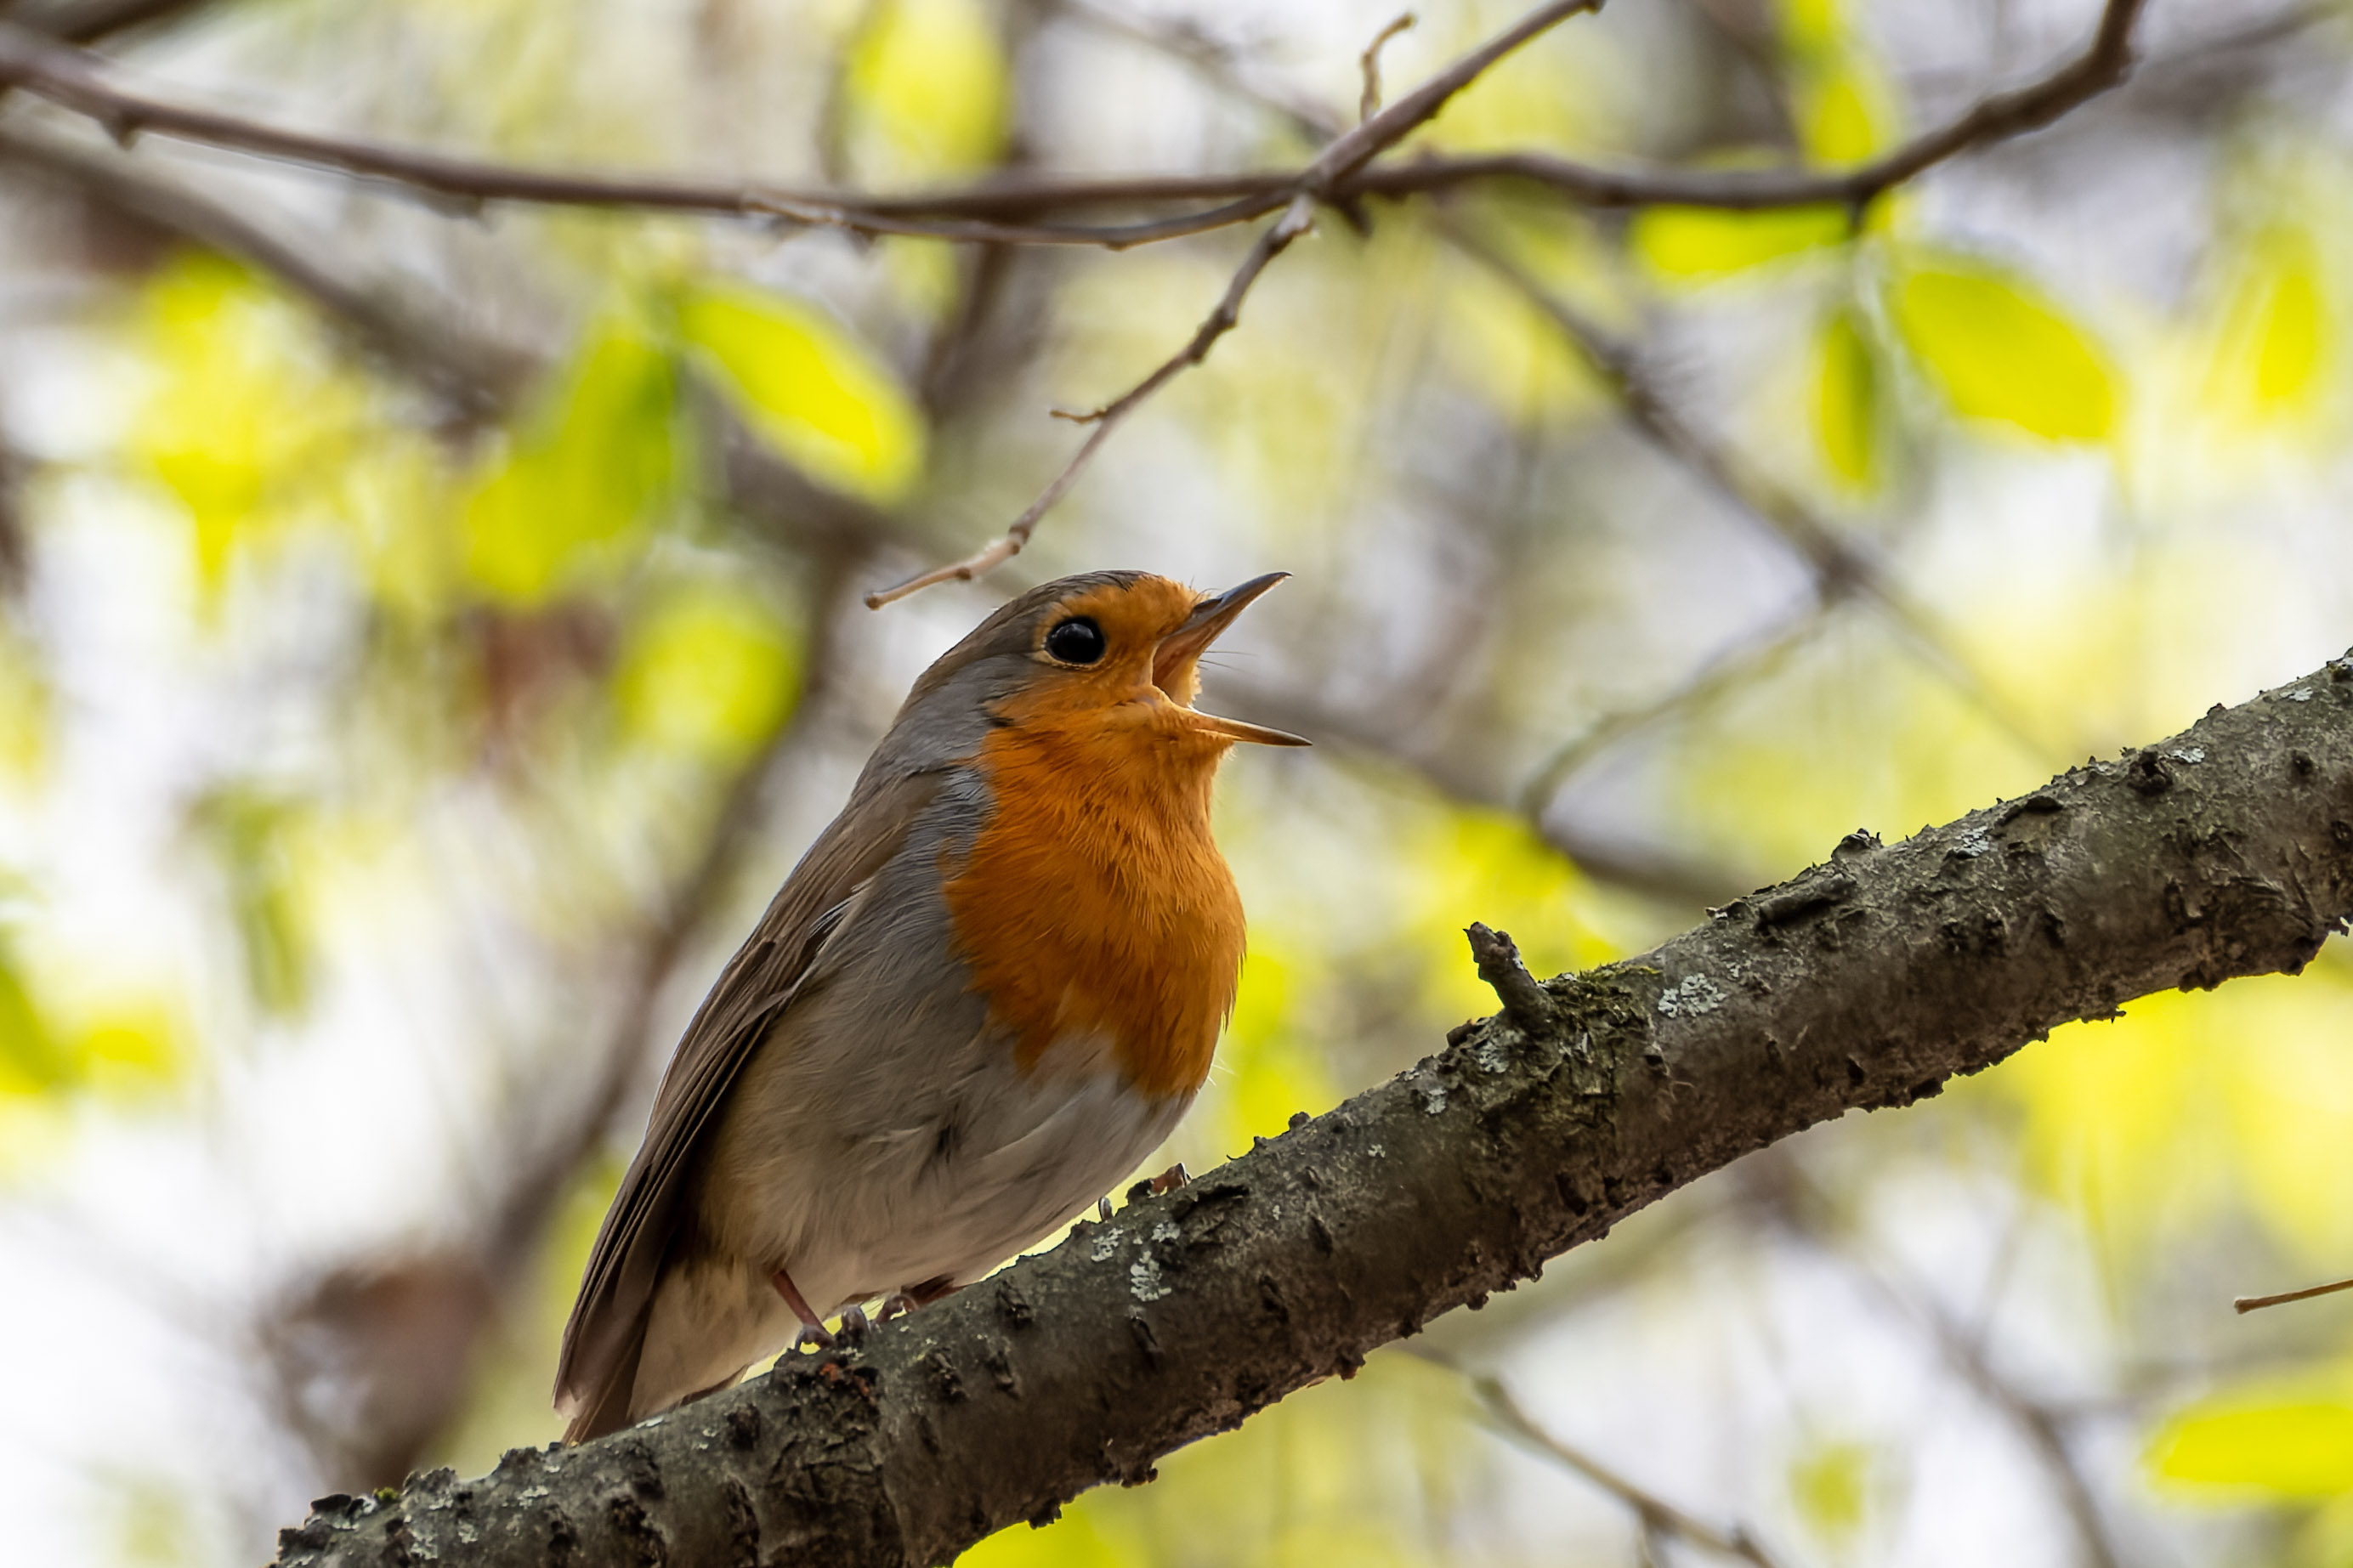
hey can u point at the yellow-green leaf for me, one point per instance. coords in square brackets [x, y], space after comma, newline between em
[1847, 403]
[1703, 242]
[30, 1059]
[709, 669]
[1844, 111]
[581, 481]
[1830, 1483]
[927, 86]
[2277, 333]
[248, 831]
[1997, 348]
[810, 387]
[247, 412]
[2291, 1448]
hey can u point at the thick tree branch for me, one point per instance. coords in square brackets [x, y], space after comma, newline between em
[1867, 982]
[1008, 210]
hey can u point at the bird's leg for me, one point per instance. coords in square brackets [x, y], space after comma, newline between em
[1169, 1180]
[812, 1326]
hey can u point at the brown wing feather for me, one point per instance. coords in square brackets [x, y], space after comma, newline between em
[601, 1341]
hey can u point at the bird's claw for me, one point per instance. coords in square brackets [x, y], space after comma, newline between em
[813, 1334]
[1169, 1180]
[897, 1304]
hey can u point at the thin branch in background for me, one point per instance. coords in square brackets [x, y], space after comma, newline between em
[2253, 1303]
[81, 82]
[1277, 238]
[1792, 1198]
[1752, 659]
[1654, 1516]
[474, 372]
[1662, 876]
[1221, 65]
[1342, 156]
[833, 111]
[1841, 568]
[1369, 102]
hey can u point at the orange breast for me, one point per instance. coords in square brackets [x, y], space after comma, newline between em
[1094, 906]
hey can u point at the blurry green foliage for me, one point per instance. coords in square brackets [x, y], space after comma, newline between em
[1700, 243]
[25, 707]
[1830, 1489]
[1360, 1473]
[583, 478]
[2151, 1124]
[929, 91]
[2280, 1443]
[1849, 400]
[709, 669]
[1841, 100]
[248, 831]
[31, 1061]
[808, 387]
[1268, 1068]
[2278, 332]
[249, 415]
[1998, 349]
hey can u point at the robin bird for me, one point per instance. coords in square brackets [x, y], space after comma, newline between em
[989, 989]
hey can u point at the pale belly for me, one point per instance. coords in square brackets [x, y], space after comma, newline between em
[859, 1183]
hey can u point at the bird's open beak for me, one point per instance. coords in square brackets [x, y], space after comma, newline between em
[1173, 661]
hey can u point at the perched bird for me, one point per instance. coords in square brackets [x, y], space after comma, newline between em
[989, 990]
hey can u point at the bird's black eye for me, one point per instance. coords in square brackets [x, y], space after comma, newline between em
[1076, 641]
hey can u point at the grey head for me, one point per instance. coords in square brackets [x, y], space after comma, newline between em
[1097, 637]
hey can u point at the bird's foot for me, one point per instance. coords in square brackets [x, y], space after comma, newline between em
[853, 1325]
[897, 1304]
[812, 1326]
[1169, 1180]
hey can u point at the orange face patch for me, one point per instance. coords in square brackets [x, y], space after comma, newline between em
[1094, 906]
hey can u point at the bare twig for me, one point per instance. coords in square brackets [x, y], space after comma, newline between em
[1001, 210]
[1746, 660]
[1342, 156]
[1295, 221]
[82, 82]
[1218, 63]
[832, 133]
[1654, 1515]
[2252, 1303]
[1662, 876]
[1369, 102]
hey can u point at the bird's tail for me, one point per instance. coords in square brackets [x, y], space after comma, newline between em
[603, 1405]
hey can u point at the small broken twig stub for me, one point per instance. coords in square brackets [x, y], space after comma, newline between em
[1525, 1001]
[1369, 103]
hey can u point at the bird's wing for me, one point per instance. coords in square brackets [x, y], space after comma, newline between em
[598, 1363]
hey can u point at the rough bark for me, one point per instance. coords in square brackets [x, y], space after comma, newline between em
[1866, 982]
